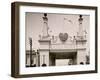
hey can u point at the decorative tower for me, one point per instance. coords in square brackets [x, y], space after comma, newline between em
[81, 43]
[45, 26]
[44, 44]
[80, 32]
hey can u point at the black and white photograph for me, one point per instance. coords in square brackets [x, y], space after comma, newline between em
[51, 39]
[56, 39]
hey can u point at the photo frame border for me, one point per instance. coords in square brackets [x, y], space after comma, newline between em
[15, 32]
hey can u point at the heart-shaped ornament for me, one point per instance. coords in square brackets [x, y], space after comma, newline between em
[63, 36]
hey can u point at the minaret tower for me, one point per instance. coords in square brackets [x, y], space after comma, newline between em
[81, 43]
[44, 44]
[45, 26]
[80, 32]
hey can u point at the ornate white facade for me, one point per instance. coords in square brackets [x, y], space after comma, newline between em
[62, 46]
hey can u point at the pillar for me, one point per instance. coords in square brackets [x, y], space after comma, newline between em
[81, 56]
[44, 52]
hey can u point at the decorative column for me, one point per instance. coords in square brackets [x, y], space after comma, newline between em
[81, 43]
[44, 44]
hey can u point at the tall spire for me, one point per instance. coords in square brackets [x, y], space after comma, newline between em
[45, 26]
[80, 32]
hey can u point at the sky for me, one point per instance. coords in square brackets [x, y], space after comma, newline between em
[57, 23]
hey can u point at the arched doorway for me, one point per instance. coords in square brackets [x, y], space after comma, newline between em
[63, 58]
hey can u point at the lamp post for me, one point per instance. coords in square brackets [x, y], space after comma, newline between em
[30, 42]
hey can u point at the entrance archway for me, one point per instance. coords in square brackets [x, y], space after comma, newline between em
[62, 58]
